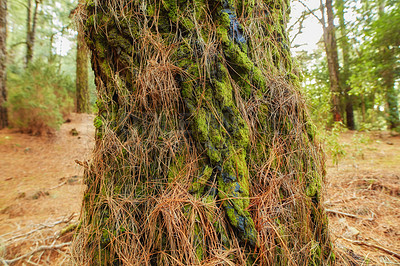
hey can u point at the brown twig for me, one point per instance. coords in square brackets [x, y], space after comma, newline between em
[41, 248]
[41, 227]
[349, 214]
[362, 243]
[59, 185]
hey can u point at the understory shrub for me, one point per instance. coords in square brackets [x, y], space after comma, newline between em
[39, 97]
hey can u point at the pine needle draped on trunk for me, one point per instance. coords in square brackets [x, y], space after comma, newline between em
[204, 152]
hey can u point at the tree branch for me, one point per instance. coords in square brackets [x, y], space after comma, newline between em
[41, 248]
[311, 12]
[349, 214]
[362, 243]
[16, 44]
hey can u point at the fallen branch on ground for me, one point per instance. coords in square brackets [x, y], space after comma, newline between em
[362, 243]
[67, 229]
[41, 248]
[59, 185]
[350, 215]
[41, 227]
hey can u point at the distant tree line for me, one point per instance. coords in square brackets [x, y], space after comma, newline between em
[47, 75]
[355, 79]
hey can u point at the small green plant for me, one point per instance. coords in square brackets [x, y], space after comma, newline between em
[39, 97]
[359, 141]
[333, 145]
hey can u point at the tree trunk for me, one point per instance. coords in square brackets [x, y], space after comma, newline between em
[82, 85]
[392, 110]
[204, 152]
[3, 57]
[387, 55]
[345, 73]
[363, 113]
[332, 57]
[31, 30]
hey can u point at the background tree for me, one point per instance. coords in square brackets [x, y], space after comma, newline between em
[329, 35]
[38, 105]
[363, 36]
[31, 20]
[35, 104]
[82, 74]
[376, 67]
[3, 57]
[387, 42]
[204, 152]
[345, 70]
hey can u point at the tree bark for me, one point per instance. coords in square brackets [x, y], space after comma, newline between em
[332, 57]
[31, 30]
[345, 73]
[387, 56]
[82, 84]
[392, 110]
[204, 152]
[3, 59]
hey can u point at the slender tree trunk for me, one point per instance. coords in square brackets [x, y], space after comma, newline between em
[204, 152]
[387, 55]
[82, 85]
[332, 57]
[31, 30]
[3, 57]
[392, 109]
[345, 73]
[363, 108]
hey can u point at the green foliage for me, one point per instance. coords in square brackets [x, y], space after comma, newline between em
[333, 144]
[39, 97]
[373, 120]
[316, 86]
[372, 71]
[43, 92]
[359, 141]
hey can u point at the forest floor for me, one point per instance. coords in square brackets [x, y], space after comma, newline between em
[41, 191]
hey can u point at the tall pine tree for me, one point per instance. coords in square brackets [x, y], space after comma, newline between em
[204, 152]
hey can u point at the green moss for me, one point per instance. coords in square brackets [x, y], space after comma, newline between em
[213, 154]
[313, 187]
[200, 183]
[201, 123]
[187, 23]
[223, 93]
[232, 215]
[151, 11]
[172, 8]
[106, 69]
[116, 39]
[224, 20]
[101, 50]
[97, 122]
[90, 21]
[176, 168]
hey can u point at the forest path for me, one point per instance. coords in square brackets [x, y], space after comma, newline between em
[40, 182]
[41, 185]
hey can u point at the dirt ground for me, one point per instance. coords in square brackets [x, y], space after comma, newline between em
[366, 184]
[41, 188]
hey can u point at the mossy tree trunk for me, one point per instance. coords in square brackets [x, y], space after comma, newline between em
[3, 57]
[204, 152]
[82, 84]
